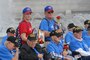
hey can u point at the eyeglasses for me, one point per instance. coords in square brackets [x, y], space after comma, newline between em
[50, 12]
[61, 34]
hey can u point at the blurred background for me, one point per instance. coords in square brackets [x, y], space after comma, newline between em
[76, 11]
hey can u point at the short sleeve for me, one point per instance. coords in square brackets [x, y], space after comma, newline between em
[22, 28]
[74, 46]
[49, 48]
[43, 25]
[5, 54]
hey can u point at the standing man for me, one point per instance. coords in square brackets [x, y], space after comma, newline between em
[25, 27]
[5, 50]
[48, 23]
[10, 32]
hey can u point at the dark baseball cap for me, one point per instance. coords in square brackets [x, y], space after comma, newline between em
[71, 25]
[13, 40]
[55, 33]
[49, 9]
[11, 30]
[86, 22]
[32, 37]
[77, 29]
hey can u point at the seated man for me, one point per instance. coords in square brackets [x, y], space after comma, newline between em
[86, 24]
[5, 50]
[87, 37]
[69, 34]
[10, 32]
[55, 47]
[78, 44]
[31, 50]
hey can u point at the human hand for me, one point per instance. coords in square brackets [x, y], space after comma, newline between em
[40, 55]
[65, 53]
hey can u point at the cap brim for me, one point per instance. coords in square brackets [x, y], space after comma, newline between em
[59, 34]
[31, 39]
[50, 11]
[77, 31]
[28, 12]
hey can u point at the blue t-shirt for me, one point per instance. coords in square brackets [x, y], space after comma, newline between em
[87, 40]
[5, 54]
[4, 39]
[84, 33]
[69, 37]
[74, 45]
[48, 25]
[56, 48]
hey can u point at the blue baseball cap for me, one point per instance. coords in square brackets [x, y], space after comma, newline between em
[27, 9]
[48, 8]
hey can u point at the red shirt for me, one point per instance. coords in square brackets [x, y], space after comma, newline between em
[25, 27]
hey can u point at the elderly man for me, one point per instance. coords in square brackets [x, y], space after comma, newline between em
[55, 47]
[10, 32]
[79, 45]
[69, 35]
[31, 50]
[5, 50]
[48, 23]
[86, 24]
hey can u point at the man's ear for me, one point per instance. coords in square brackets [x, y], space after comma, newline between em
[75, 33]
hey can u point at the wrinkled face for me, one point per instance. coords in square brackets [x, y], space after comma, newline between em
[27, 16]
[57, 39]
[49, 14]
[32, 43]
[78, 35]
[11, 46]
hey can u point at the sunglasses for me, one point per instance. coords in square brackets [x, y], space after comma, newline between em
[50, 12]
[61, 34]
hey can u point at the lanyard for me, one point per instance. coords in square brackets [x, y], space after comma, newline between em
[36, 51]
[37, 54]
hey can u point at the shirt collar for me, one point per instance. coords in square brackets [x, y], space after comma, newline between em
[78, 39]
[55, 43]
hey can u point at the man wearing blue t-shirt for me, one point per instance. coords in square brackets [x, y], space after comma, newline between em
[5, 50]
[48, 23]
[86, 24]
[69, 35]
[55, 47]
[87, 37]
[10, 32]
[78, 44]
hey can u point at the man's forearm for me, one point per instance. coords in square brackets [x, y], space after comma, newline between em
[82, 52]
[16, 56]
